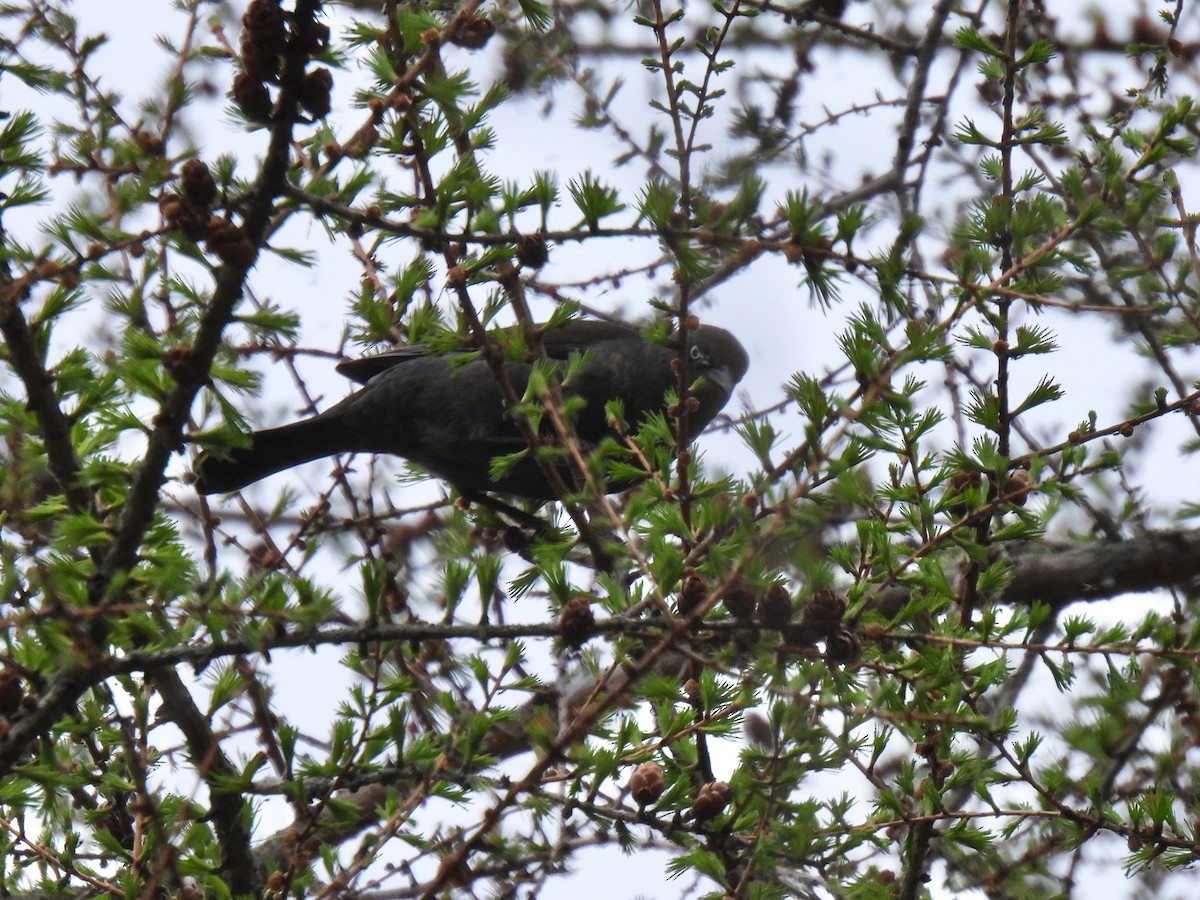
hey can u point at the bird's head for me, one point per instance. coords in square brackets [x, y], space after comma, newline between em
[719, 358]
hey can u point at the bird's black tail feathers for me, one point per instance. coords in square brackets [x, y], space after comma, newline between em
[273, 450]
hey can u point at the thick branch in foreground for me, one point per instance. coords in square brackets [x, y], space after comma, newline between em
[1057, 573]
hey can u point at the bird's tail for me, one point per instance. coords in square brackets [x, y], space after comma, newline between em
[271, 451]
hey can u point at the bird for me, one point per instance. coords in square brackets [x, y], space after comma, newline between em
[445, 411]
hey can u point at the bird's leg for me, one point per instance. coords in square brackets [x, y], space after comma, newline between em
[519, 516]
[540, 530]
[527, 530]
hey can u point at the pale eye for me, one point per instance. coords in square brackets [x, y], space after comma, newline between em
[697, 354]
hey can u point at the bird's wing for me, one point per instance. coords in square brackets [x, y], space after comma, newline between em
[581, 335]
[364, 369]
[559, 342]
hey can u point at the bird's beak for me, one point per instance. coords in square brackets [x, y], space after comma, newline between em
[722, 377]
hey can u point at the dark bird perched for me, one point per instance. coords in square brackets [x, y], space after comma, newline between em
[451, 418]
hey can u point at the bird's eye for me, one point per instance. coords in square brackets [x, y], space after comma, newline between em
[697, 353]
